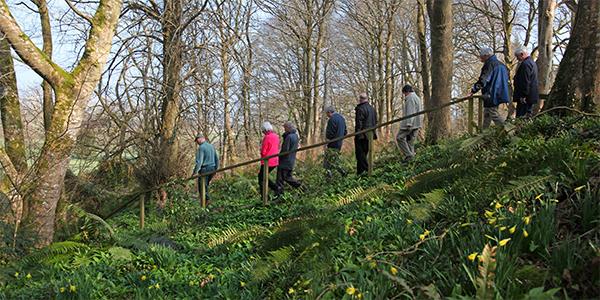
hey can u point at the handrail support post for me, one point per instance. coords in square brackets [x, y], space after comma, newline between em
[265, 182]
[202, 183]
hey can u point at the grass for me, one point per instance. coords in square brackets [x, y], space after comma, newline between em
[512, 213]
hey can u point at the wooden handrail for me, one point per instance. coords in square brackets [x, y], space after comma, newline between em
[265, 159]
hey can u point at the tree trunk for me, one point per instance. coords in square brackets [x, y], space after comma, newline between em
[73, 91]
[507, 27]
[577, 82]
[14, 161]
[545, 51]
[228, 130]
[10, 108]
[423, 52]
[172, 64]
[48, 104]
[441, 69]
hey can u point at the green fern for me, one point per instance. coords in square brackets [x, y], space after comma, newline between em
[49, 255]
[265, 268]
[526, 186]
[232, 235]
[359, 194]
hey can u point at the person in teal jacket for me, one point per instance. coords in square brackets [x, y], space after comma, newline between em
[207, 160]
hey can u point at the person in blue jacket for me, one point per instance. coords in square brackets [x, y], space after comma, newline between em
[207, 160]
[493, 83]
[526, 92]
[287, 162]
[336, 127]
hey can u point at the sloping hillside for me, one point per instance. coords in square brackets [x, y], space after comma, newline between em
[511, 213]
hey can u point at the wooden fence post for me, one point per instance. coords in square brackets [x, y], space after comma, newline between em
[142, 210]
[203, 191]
[371, 150]
[470, 115]
[265, 179]
[480, 115]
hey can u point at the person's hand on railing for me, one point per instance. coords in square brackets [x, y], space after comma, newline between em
[470, 94]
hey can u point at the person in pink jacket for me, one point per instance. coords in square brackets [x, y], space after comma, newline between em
[269, 146]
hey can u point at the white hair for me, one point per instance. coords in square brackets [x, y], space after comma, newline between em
[486, 51]
[266, 126]
[521, 50]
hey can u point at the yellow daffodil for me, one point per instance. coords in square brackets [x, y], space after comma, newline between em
[393, 270]
[426, 233]
[539, 197]
[527, 220]
[472, 256]
[28, 276]
[143, 278]
[503, 242]
[17, 274]
[498, 206]
[492, 221]
[359, 296]
[350, 290]
[242, 284]
[421, 237]
[62, 289]
[72, 289]
[525, 233]
[489, 214]
[512, 229]
[157, 286]
[291, 291]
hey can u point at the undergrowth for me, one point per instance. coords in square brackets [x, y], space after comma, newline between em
[510, 213]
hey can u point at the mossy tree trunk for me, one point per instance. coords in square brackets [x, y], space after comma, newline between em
[442, 55]
[577, 82]
[14, 142]
[73, 91]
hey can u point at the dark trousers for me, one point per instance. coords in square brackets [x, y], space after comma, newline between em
[361, 149]
[283, 176]
[333, 162]
[272, 184]
[206, 181]
[524, 109]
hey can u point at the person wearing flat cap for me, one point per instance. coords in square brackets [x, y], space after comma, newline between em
[207, 160]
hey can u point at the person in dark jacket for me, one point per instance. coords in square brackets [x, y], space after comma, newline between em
[526, 92]
[493, 83]
[336, 127]
[287, 162]
[365, 118]
[207, 160]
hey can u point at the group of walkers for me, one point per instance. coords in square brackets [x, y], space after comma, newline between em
[492, 82]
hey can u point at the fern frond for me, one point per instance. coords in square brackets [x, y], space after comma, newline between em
[81, 212]
[232, 235]
[487, 273]
[359, 193]
[47, 254]
[527, 185]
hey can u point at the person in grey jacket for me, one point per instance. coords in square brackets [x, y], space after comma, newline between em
[336, 127]
[287, 162]
[409, 127]
[207, 160]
